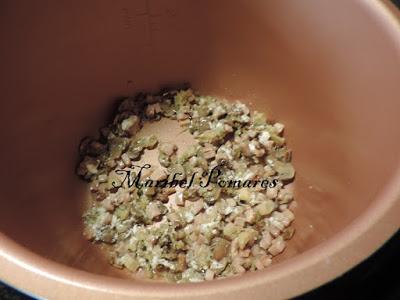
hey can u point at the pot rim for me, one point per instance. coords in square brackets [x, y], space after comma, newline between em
[28, 271]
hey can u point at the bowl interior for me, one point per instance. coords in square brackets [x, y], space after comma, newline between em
[326, 70]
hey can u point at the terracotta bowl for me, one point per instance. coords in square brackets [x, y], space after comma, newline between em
[329, 70]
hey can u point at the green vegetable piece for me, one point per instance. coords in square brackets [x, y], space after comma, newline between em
[285, 171]
[129, 262]
[122, 212]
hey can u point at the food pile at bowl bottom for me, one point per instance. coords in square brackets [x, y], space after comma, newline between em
[222, 207]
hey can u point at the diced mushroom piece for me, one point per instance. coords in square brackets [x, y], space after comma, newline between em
[188, 216]
[224, 154]
[258, 170]
[153, 211]
[279, 127]
[255, 149]
[245, 195]
[278, 245]
[209, 275]
[259, 152]
[247, 263]
[237, 265]
[240, 222]
[285, 217]
[272, 193]
[102, 178]
[105, 219]
[266, 260]
[252, 133]
[265, 208]
[275, 231]
[168, 148]
[149, 191]
[230, 231]
[92, 168]
[209, 151]
[179, 198]
[231, 202]
[131, 125]
[129, 262]
[263, 138]
[270, 146]
[174, 217]
[181, 262]
[250, 216]
[245, 253]
[256, 250]
[288, 215]
[277, 222]
[266, 240]
[269, 171]
[258, 264]
[285, 196]
[245, 149]
[262, 262]
[197, 206]
[283, 207]
[246, 237]
[126, 160]
[193, 160]
[108, 204]
[228, 128]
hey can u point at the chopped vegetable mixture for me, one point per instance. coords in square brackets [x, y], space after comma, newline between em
[200, 232]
